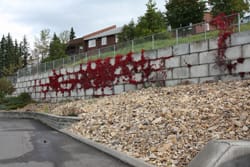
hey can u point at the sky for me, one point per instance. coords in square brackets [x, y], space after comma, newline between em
[29, 17]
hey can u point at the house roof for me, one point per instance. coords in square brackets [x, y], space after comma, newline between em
[104, 32]
[76, 41]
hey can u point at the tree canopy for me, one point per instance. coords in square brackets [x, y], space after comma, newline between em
[128, 32]
[183, 12]
[56, 49]
[13, 55]
[42, 43]
[72, 34]
[151, 22]
[228, 6]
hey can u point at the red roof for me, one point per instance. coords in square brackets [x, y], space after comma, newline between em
[99, 31]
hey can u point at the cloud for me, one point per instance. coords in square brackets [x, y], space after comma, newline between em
[29, 17]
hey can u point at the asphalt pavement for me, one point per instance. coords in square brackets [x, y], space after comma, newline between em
[29, 143]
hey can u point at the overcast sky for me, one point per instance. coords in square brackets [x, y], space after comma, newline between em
[29, 17]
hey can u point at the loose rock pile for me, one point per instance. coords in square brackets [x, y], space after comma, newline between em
[166, 126]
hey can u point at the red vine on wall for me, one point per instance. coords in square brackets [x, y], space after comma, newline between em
[103, 73]
[225, 26]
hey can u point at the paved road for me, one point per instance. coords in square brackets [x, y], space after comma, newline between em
[28, 143]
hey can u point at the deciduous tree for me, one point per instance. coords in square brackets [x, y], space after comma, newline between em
[228, 6]
[183, 12]
[42, 43]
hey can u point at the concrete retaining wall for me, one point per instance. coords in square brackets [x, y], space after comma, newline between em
[223, 154]
[56, 122]
[194, 62]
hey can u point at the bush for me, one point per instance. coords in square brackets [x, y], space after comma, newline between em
[6, 87]
[11, 103]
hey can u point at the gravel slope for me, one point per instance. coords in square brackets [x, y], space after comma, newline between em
[165, 126]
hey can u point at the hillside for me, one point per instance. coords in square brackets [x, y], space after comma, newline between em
[163, 126]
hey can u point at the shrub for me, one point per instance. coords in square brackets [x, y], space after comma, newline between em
[11, 103]
[6, 87]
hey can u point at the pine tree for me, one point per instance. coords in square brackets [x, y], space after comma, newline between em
[10, 54]
[72, 34]
[153, 21]
[24, 51]
[10, 51]
[56, 49]
[128, 32]
[2, 54]
[17, 53]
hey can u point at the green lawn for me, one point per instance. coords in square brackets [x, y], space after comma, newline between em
[161, 40]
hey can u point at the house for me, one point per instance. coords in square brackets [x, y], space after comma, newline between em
[93, 41]
[75, 46]
[246, 18]
[201, 28]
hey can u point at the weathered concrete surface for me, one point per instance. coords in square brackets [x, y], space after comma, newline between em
[223, 154]
[28, 143]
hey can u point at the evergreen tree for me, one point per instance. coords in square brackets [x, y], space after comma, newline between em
[56, 49]
[128, 32]
[228, 6]
[17, 53]
[72, 34]
[24, 51]
[9, 56]
[181, 13]
[152, 22]
[10, 51]
[2, 54]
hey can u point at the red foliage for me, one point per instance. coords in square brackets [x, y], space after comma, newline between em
[103, 73]
[225, 26]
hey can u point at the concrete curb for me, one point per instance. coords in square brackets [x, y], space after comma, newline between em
[52, 121]
[223, 153]
[118, 155]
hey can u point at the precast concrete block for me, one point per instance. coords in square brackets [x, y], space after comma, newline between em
[165, 52]
[191, 59]
[152, 54]
[213, 44]
[246, 51]
[199, 71]
[245, 67]
[130, 87]
[173, 62]
[118, 89]
[207, 57]
[181, 49]
[199, 46]
[180, 73]
[233, 52]
[240, 38]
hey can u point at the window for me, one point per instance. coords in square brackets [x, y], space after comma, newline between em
[104, 40]
[116, 39]
[92, 43]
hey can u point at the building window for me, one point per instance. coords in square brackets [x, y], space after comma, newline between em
[104, 40]
[92, 43]
[116, 39]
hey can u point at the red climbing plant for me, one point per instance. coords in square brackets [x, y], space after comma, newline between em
[103, 73]
[225, 26]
